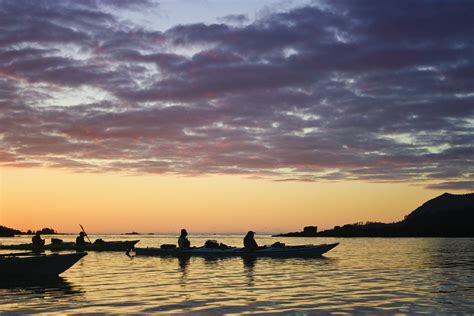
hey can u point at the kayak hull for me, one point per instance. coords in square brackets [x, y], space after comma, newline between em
[36, 267]
[308, 251]
[103, 246]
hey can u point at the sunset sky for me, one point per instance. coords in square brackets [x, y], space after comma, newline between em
[226, 115]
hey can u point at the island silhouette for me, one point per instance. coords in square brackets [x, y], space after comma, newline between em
[448, 215]
[11, 232]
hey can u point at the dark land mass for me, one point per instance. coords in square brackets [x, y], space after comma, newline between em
[10, 232]
[48, 231]
[308, 231]
[448, 215]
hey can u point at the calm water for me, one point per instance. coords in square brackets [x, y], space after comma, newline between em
[365, 275]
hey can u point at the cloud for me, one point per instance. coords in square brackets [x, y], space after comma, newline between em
[459, 185]
[235, 19]
[341, 91]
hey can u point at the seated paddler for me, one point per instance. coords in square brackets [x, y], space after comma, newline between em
[80, 241]
[36, 240]
[249, 241]
[183, 241]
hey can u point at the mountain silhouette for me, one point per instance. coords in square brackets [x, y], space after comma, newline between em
[445, 215]
[448, 215]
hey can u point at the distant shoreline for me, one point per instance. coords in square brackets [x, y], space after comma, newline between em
[447, 216]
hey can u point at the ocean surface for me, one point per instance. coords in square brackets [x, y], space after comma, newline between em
[361, 275]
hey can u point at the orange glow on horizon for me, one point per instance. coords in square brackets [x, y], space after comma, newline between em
[107, 203]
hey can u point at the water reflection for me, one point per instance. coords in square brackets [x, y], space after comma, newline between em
[183, 264]
[362, 275]
[212, 262]
[58, 285]
[183, 268]
[249, 265]
[446, 259]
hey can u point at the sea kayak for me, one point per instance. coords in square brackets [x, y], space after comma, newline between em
[99, 246]
[306, 251]
[15, 267]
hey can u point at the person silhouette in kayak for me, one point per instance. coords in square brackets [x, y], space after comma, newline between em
[80, 241]
[249, 241]
[183, 241]
[36, 240]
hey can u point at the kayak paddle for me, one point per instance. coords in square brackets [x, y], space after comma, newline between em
[85, 233]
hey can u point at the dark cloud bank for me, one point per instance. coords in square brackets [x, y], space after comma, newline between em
[368, 90]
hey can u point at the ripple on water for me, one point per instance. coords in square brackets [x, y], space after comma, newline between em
[359, 276]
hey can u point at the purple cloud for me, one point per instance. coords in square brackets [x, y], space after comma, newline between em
[351, 90]
[455, 185]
